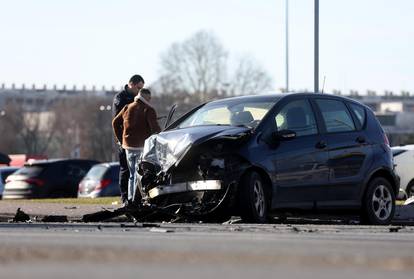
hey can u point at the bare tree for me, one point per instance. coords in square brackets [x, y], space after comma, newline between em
[199, 66]
[33, 131]
[249, 78]
[195, 66]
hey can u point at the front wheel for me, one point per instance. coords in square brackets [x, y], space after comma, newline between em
[379, 203]
[253, 200]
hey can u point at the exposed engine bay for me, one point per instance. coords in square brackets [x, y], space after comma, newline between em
[197, 171]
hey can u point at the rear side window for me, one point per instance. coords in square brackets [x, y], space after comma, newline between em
[96, 172]
[359, 111]
[297, 116]
[30, 171]
[336, 116]
[75, 171]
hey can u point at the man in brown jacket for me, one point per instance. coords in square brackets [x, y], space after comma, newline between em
[132, 126]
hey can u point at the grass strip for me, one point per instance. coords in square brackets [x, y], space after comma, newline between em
[103, 201]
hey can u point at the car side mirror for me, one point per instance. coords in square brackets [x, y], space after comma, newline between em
[284, 135]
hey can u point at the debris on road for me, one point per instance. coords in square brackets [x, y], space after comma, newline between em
[21, 216]
[55, 219]
[103, 215]
[395, 229]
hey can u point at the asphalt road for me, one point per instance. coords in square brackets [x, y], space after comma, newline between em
[113, 250]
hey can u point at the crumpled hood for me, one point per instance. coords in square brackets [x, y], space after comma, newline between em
[169, 147]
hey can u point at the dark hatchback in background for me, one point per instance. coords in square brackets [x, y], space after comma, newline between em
[254, 155]
[47, 179]
[102, 180]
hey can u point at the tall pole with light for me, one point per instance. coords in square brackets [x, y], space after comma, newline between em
[287, 44]
[316, 48]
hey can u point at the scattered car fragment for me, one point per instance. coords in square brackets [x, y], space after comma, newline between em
[252, 155]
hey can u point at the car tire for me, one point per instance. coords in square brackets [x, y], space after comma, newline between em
[410, 189]
[253, 199]
[378, 205]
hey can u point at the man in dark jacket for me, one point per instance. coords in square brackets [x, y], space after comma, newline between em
[132, 126]
[122, 99]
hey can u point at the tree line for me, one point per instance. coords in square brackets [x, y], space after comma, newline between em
[192, 71]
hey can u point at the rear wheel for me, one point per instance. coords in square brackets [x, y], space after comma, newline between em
[253, 199]
[379, 202]
[410, 189]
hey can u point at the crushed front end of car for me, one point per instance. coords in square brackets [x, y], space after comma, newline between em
[194, 170]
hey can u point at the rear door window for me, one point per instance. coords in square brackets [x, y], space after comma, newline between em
[75, 171]
[359, 112]
[297, 116]
[336, 116]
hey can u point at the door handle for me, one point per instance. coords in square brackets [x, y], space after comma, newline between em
[360, 139]
[321, 144]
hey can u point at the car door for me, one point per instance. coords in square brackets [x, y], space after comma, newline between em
[300, 163]
[349, 151]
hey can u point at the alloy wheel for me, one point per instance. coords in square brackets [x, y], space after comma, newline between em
[259, 198]
[382, 202]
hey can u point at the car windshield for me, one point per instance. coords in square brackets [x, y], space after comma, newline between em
[96, 172]
[236, 112]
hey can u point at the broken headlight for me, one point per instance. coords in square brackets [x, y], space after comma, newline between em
[209, 166]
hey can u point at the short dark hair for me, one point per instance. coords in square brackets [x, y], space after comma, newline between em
[145, 91]
[135, 79]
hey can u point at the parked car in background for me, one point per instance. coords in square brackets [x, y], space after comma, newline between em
[102, 180]
[4, 173]
[404, 160]
[56, 178]
[254, 155]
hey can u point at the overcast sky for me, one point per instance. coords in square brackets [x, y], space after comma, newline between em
[364, 44]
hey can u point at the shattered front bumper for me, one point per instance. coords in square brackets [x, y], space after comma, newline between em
[191, 186]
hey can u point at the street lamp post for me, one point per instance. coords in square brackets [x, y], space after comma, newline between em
[316, 55]
[287, 45]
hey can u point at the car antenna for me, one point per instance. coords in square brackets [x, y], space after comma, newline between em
[323, 85]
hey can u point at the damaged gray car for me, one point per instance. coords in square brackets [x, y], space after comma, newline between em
[251, 155]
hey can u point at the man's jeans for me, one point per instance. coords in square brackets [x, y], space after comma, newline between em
[133, 159]
[123, 174]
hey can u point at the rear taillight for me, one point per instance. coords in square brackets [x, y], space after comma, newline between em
[386, 141]
[103, 183]
[80, 186]
[34, 181]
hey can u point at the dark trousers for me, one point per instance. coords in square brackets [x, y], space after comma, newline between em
[123, 174]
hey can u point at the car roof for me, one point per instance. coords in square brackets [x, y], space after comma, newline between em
[274, 97]
[50, 161]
